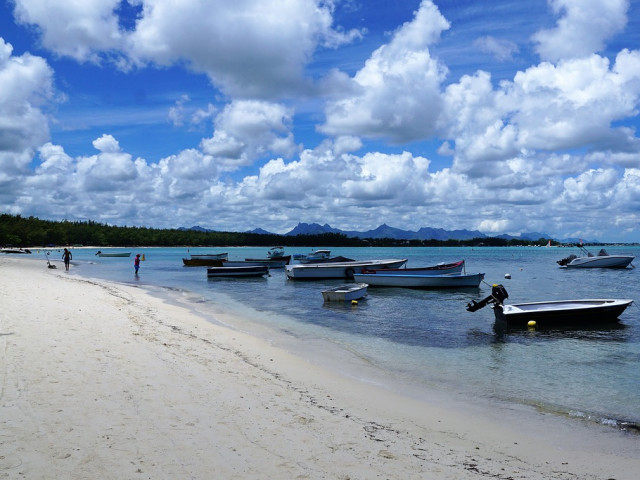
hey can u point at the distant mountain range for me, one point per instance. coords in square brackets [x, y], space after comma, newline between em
[424, 233]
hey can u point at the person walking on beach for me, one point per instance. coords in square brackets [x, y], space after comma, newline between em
[136, 263]
[66, 256]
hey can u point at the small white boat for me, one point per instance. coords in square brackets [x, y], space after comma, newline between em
[338, 269]
[345, 293]
[602, 260]
[552, 313]
[113, 254]
[439, 269]
[448, 280]
[243, 271]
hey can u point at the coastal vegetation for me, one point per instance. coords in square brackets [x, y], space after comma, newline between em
[21, 231]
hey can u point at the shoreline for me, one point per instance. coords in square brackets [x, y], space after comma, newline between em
[107, 380]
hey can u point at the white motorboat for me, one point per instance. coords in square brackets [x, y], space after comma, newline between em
[345, 293]
[338, 269]
[602, 260]
[551, 313]
[447, 280]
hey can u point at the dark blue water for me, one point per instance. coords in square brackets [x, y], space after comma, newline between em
[426, 338]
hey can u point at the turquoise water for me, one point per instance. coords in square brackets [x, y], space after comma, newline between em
[418, 339]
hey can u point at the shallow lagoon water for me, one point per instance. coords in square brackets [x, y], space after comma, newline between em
[424, 338]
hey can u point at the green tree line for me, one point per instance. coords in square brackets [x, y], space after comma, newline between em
[19, 231]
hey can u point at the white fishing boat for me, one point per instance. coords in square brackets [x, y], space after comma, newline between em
[345, 293]
[602, 260]
[113, 254]
[581, 312]
[447, 280]
[242, 271]
[338, 269]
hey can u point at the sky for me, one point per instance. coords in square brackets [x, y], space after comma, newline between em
[502, 116]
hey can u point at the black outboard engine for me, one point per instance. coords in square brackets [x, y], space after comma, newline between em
[498, 295]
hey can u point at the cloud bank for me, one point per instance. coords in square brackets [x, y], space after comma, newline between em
[554, 148]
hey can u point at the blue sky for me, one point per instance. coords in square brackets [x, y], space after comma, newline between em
[503, 116]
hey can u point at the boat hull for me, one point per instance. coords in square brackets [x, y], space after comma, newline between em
[246, 271]
[338, 269]
[107, 255]
[345, 293]
[561, 313]
[454, 280]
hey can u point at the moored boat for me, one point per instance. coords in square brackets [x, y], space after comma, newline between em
[202, 262]
[345, 293]
[447, 280]
[270, 262]
[338, 269]
[113, 254]
[553, 313]
[602, 260]
[243, 271]
[321, 256]
[439, 269]
[275, 259]
[15, 251]
[211, 256]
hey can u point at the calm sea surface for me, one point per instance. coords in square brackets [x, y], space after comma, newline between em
[426, 338]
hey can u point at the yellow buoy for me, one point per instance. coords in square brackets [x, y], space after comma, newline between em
[354, 302]
[143, 257]
[532, 323]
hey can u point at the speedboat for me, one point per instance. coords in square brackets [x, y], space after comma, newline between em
[551, 313]
[602, 260]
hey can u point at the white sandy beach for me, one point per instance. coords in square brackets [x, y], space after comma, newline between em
[105, 381]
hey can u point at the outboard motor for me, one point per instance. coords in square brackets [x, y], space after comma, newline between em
[498, 295]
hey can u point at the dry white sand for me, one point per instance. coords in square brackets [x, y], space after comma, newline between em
[104, 381]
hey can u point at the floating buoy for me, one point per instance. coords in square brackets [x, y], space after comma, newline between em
[507, 275]
[143, 257]
[354, 302]
[532, 324]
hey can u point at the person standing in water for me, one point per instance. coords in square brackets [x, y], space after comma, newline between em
[136, 263]
[66, 256]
